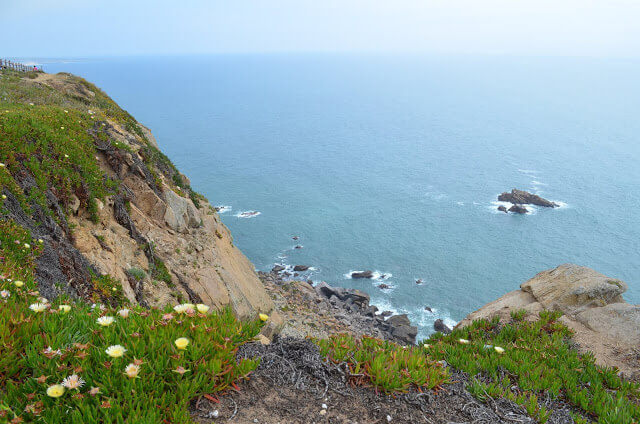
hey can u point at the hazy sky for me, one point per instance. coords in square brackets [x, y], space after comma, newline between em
[73, 28]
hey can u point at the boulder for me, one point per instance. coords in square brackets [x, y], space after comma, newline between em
[278, 268]
[441, 327]
[355, 296]
[181, 214]
[298, 247]
[362, 274]
[592, 306]
[428, 309]
[401, 329]
[518, 209]
[300, 268]
[571, 288]
[419, 281]
[383, 286]
[520, 197]
[502, 209]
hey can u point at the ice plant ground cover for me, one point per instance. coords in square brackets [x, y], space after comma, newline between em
[54, 365]
[520, 361]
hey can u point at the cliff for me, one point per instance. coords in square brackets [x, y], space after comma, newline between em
[592, 306]
[117, 219]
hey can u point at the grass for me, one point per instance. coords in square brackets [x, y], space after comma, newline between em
[41, 349]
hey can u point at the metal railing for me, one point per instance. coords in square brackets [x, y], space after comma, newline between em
[7, 64]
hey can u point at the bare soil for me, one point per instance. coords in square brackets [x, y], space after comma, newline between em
[293, 382]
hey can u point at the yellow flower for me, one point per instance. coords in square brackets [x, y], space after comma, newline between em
[182, 343]
[4, 196]
[498, 349]
[263, 317]
[55, 391]
[18, 283]
[426, 346]
[40, 241]
[463, 341]
[105, 321]
[132, 370]
[27, 246]
[115, 351]
[202, 308]
[64, 308]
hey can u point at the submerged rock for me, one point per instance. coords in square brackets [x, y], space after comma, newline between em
[520, 197]
[362, 274]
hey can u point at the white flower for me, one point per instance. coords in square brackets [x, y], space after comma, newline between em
[115, 351]
[1, 165]
[5, 294]
[27, 246]
[66, 155]
[51, 352]
[463, 341]
[124, 313]
[426, 346]
[185, 308]
[73, 382]
[38, 307]
[105, 321]
[64, 308]
[18, 283]
[132, 370]
[498, 349]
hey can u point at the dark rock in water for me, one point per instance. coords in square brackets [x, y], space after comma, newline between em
[383, 286]
[301, 268]
[401, 329]
[426, 308]
[520, 197]
[518, 209]
[278, 268]
[440, 326]
[386, 313]
[363, 274]
[358, 297]
[298, 247]
[295, 237]
[383, 276]
[419, 281]
[502, 209]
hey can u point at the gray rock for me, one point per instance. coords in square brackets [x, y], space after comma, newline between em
[520, 197]
[502, 209]
[299, 268]
[441, 327]
[363, 274]
[518, 209]
[180, 214]
[278, 268]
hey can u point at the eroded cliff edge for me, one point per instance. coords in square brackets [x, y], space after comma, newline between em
[115, 216]
[592, 306]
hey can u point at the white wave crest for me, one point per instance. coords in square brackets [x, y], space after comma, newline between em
[247, 214]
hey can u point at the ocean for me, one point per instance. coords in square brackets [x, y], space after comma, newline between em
[393, 163]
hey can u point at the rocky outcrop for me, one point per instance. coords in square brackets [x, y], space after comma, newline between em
[520, 197]
[323, 310]
[518, 209]
[593, 308]
[154, 226]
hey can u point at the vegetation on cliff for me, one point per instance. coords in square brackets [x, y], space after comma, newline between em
[67, 361]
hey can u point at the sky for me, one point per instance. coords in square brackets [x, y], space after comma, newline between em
[93, 28]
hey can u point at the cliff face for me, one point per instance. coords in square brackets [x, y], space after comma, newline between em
[116, 218]
[592, 306]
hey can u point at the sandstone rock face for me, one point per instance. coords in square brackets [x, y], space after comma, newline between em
[570, 288]
[151, 222]
[180, 213]
[593, 308]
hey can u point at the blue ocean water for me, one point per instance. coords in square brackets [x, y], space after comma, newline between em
[393, 163]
